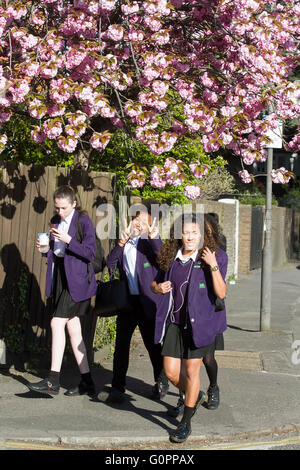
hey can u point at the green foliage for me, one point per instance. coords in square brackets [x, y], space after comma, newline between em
[119, 153]
[292, 197]
[14, 333]
[116, 157]
[105, 332]
[14, 338]
[23, 287]
[255, 199]
[21, 147]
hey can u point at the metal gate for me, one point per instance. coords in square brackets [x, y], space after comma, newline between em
[257, 231]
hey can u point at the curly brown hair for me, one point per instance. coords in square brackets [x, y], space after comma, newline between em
[170, 247]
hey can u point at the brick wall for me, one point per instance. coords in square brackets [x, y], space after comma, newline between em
[245, 217]
[227, 221]
[285, 235]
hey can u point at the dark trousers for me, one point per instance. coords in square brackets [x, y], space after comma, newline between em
[126, 325]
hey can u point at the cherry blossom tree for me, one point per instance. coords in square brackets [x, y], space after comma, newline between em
[155, 70]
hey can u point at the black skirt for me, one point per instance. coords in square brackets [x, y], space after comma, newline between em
[178, 343]
[64, 305]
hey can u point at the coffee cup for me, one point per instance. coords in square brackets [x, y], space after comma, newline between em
[44, 242]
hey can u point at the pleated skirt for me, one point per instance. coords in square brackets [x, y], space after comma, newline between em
[178, 343]
[64, 305]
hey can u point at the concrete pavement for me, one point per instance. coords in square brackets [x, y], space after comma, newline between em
[259, 380]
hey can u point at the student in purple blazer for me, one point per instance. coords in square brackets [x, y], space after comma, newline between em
[135, 256]
[192, 276]
[71, 284]
[213, 394]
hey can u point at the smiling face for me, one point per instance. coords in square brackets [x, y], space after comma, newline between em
[139, 224]
[64, 206]
[191, 236]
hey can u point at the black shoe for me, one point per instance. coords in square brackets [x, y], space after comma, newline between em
[159, 391]
[213, 400]
[200, 400]
[177, 410]
[111, 396]
[44, 386]
[81, 389]
[181, 433]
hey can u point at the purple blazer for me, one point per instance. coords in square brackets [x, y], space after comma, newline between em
[77, 257]
[205, 321]
[147, 269]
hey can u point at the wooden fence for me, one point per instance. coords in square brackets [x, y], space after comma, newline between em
[26, 206]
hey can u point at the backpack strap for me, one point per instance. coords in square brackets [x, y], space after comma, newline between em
[79, 233]
[79, 238]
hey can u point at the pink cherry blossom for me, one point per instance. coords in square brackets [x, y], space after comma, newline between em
[52, 128]
[38, 135]
[159, 70]
[151, 72]
[4, 115]
[198, 170]
[77, 118]
[136, 35]
[280, 176]
[100, 140]
[192, 192]
[157, 178]
[115, 32]
[3, 142]
[55, 110]
[172, 173]
[136, 179]
[60, 91]
[129, 9]
[37, 109]
[153, 23]
[294, 144]
[245, 176]
[67, 144]
[160, 88]
[31, 69]
[18, 89]
[48, 70]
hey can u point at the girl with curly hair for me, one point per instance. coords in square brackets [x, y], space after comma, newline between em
[192, 277]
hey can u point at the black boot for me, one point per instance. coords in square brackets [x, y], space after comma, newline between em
[112, 395]
[200, 400]
[159, 390]
[177, 410]
[49, 386]
[85, 387]
[184, 428]
[213, 395]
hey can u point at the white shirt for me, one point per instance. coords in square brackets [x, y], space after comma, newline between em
[187, 258]
[130, 253]
[64, 225]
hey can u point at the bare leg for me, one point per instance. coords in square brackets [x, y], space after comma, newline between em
[173, 367]
[77, 343]
[58, 342]
[192, 379]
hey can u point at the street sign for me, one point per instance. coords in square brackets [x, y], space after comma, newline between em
[276, 138]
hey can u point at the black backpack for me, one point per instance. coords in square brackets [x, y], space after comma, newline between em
[98, 262]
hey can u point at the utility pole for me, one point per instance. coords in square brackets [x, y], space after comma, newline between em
[266, 270]
[275, 137]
